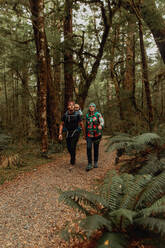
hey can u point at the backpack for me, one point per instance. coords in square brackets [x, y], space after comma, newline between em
[73, 132]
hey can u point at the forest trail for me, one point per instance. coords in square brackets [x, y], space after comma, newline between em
[30, 214]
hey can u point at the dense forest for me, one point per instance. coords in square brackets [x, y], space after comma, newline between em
[109, 52]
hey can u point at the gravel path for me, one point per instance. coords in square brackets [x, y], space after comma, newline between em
[30, 213]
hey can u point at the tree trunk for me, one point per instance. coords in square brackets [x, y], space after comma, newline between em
[128, 99]
[25, 103]
[145, 76]
[37, 10]
[68, 54]
[112, 72]
[156, 24]
[6, 96]
[52, 101]
[153, 18]
[57, 72]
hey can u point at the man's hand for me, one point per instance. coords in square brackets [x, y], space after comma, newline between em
[60, 137]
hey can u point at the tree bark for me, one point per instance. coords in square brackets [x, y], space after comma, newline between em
[57, 72]
[68, 54]
[128, 96]
[37, 10]
[145, 76]
[153, 18]
[156, 23]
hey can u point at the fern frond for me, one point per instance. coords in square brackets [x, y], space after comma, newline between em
[133, 187]
[154, 190]
[147, 139]
[152, 167]
[111, 189]
[122, 213]
[120, 138]
[152, 224]
[93, 223]
[152, 211]
[157, 207]
[117, 146]
[118, 142]
[82, 200]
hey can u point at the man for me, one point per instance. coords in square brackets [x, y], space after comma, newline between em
[94, 127]
[72, 120]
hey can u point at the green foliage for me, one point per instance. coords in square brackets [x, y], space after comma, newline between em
[120, 203]
[133, 144]
[143, 153]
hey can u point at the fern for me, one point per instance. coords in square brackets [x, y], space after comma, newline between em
[120, 203]
[135, 144]
[80, 199]
[144, 152]
[152, 224]
[136, 184]
[93, 223]
[147, 139]
[153, 166]
[111, 189]
[117, 215]
[153, 191]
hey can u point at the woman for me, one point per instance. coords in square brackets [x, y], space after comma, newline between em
[94, 127]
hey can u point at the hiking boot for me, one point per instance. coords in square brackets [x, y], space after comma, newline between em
[45, 155]
[72, 161]
[95, 165]
[89, 167]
